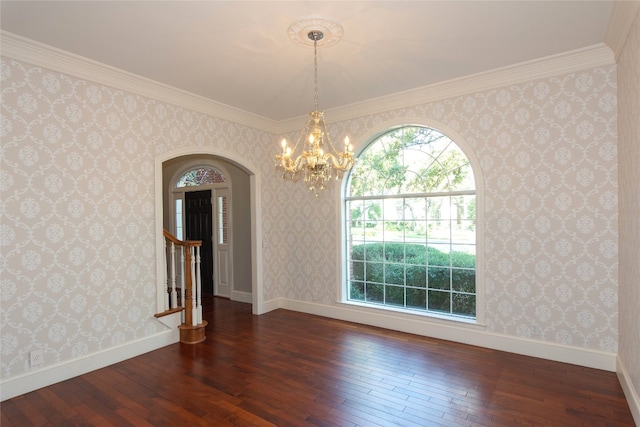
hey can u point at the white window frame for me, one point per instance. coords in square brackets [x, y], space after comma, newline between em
[480, 253]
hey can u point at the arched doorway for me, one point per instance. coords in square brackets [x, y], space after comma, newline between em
[243, 220]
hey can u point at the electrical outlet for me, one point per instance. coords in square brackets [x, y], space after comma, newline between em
[36, 358]
[535, 331]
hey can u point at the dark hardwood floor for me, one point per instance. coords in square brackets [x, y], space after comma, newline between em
[289, 369]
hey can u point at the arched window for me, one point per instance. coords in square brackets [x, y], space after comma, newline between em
[200, 176]
[410, 225]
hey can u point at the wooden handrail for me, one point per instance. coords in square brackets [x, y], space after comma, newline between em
[190, 331]
[178, 242]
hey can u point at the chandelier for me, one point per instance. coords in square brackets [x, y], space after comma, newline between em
[320, 162]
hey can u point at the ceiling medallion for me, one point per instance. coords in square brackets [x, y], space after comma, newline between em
[320, 162]
[299, 32]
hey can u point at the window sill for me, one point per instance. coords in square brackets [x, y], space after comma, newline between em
[413, 314]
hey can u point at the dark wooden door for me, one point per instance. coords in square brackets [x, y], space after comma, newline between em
[198, 224]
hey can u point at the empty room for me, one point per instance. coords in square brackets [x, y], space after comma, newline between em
[341, 213]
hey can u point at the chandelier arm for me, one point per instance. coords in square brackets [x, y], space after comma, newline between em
[293, 166]
[316, 166]
[343, 162]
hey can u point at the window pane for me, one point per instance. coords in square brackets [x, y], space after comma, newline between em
[357, 270]
[462, 178]
[415, 208]
[409, 247]
[438, 254]
[415, 231]
[374, 272]
[356, 291]
[201, 176]
[439, 301]
[464, 304]
[355, 220]
[357, 252]
[394, 274]
[394, 251]
[416, 276]
[464, 232]
[463, 280]
[394, 295]
[375, 293]
[416, 254]
[439, 207]
[179, 219]
[416, 298]
[372, 217]
[439, 278]
[438, 231]
[373, 251]
[393, 209]
[222, 220]
[463, 257]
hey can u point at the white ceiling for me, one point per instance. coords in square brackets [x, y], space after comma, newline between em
[238, 52]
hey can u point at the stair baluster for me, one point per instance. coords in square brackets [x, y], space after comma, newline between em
[192, 329]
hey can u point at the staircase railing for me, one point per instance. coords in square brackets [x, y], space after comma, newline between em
[183, 286]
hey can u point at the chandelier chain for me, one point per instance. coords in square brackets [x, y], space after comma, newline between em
[320, 163]
[315, 71]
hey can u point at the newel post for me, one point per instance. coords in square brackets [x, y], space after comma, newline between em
[192, 330]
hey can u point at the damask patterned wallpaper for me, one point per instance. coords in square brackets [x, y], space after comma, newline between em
[76, 181]
[548, 155]
[77, 188]
[629, 125]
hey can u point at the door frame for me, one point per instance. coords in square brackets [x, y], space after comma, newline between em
[219, 247]
[255, 184]
[179, 194]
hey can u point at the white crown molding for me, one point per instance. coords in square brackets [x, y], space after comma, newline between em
[467, 334]
[42, 55]
[622, 17]
[39, 54]
[564, 63]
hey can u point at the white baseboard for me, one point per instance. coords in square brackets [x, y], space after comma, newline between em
[629, 391]
[453, 331]
[467, 334]
[242, 297]
[273, 304]
[48, 375]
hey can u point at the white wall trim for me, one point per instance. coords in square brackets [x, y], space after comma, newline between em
[48, 375]
[630, 393]
[49, 57]
[622, 17]
[274, 304]
[241, 296]
[39, 54]
[446, 330]
[564, 63]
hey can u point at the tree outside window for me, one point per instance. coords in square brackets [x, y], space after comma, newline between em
[411, 225]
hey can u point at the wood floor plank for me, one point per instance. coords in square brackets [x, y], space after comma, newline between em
[286, 368]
